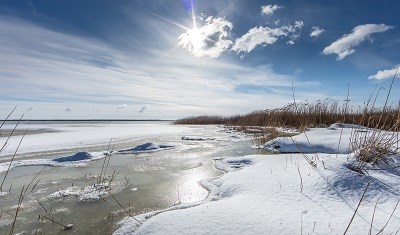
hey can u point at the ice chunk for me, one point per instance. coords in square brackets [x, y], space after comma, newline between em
[197, 138]
[147, 147]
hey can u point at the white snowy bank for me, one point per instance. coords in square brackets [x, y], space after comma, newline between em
[318, 140]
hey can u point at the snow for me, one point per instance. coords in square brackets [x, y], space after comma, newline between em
[79, 135]
[86, 194]
[285, 194]
[263, 196]
[316, 140]
[81, 156]
[78, 159]
[147, 147]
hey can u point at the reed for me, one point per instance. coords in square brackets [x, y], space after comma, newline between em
[300, 115]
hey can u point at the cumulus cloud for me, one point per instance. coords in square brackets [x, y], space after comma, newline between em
[68, 110]
[122, 106]
[344, 46]
[385, 74]
[316, 31]
[210, 40]
[295, 31]
[142, 109]
[269, 9]
[266, 36]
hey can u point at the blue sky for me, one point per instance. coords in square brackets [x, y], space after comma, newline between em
[174, 58]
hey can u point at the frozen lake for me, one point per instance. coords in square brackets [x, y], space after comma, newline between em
[146, 180]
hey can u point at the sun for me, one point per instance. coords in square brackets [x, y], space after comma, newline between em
[194, 38]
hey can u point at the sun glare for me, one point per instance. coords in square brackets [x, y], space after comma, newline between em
[195, 38]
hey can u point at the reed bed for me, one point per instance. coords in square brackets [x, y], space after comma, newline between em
[301, 115]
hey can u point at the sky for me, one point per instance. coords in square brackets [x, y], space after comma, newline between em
[167, 59]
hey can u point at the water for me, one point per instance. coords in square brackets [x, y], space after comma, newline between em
[144, 182]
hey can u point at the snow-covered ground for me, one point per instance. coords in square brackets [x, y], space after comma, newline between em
[288, 194]
[78, 135]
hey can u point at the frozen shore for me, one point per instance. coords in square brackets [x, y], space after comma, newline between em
[286, 194]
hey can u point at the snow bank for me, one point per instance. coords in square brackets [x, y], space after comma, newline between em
[317, 140]
[147, 147]
[78, 159]
[281, 194]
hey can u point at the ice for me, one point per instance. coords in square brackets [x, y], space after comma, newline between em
[78, 159]
[197, 138]
[78, 135]
[147, 147]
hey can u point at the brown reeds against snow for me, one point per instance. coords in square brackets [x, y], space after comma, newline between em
[300, 115]
[373, 145]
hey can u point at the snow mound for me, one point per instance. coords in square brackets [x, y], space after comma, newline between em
[86, 194]
[231, 164]
[81, 156]
[315, 140]
[197, 138]
[147, 147]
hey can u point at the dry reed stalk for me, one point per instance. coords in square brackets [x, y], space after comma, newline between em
[12, 159]
[387, 222]
[355, 212]
[21, 196]
[99, 180]
[8, 116]
[66, 227]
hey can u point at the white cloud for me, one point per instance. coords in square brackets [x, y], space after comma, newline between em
[143, 108]
[295, 30]
[266, 36]
[68, 110]
[316, 31]
[385, 74]
[209, 40]
[269, 9]
[122, 106]
[344, 46]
